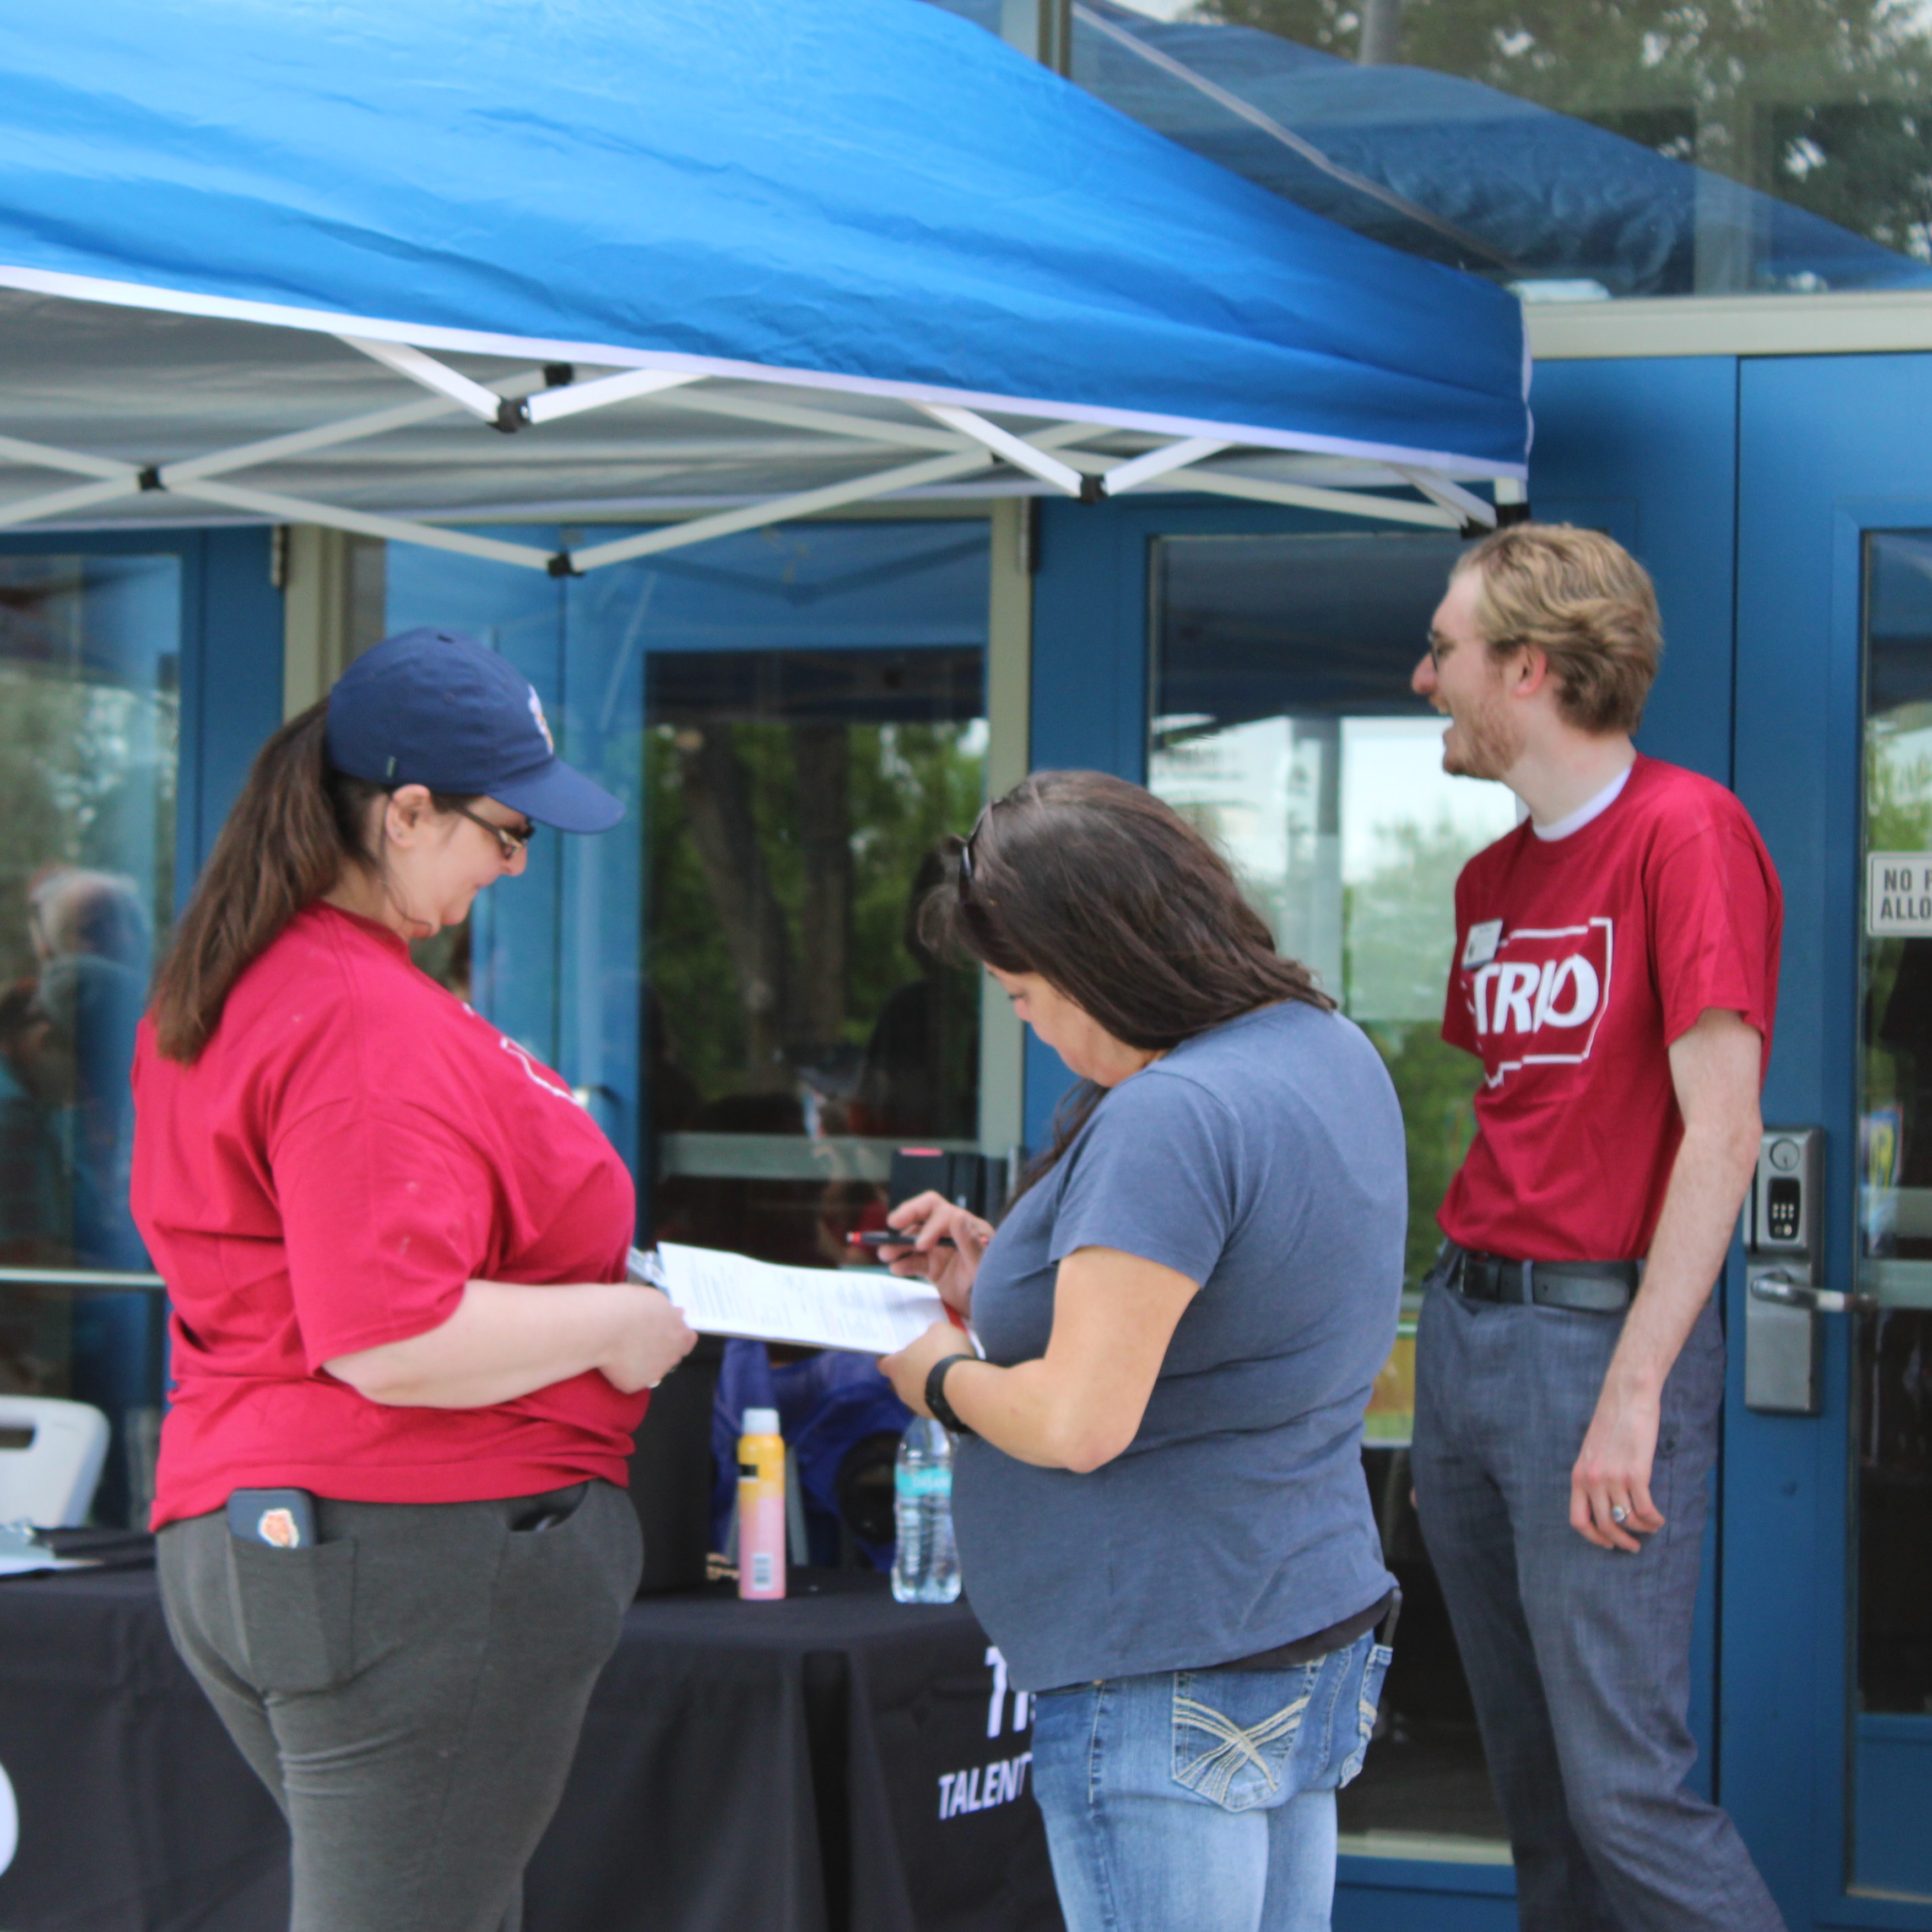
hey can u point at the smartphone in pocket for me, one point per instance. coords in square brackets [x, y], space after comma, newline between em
[282, 1518]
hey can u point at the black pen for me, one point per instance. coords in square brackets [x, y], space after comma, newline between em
[884, 1238]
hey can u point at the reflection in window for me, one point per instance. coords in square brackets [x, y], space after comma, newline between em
[1894, 1347]
[88, 728]
[1574, 151]
[1302, 752]
[1285, 729]
[1347, 835]
[796, 800]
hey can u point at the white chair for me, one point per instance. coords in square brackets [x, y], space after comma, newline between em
[49, 1479]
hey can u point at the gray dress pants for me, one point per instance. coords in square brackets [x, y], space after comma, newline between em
[410, 1688]
[1578, 1658]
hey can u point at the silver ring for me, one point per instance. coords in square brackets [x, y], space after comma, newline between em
[1619, 1513]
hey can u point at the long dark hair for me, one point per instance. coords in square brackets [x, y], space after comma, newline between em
[1118, 902]
[297, 823]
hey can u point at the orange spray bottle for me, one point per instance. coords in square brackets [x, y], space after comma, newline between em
[761, 1507]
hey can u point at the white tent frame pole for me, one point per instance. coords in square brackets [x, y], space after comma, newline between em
[40, 455]
[970, 441]
[29, 508]
[808, 503]
[432, 374]
[780, 509]
[1451, 496]
[571, 398]
[327, 436]
[1139, 470]
[395, 529]
[1002, 442]
[1305, 496]
[566, 400]
[1295, 495]
[246, 455]
[191, 478]
[673, 536]
[788, 415]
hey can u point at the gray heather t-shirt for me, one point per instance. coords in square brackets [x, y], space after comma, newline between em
[1264, 1160]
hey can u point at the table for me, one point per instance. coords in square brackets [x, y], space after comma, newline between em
[836, 1762]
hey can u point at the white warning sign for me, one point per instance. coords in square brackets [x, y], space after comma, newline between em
[1898, 895]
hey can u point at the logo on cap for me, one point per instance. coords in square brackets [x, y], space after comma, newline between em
[543, 725]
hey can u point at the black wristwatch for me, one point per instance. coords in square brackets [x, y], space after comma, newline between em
[935, 1394]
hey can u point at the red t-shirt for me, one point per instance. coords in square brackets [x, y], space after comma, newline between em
[1578, 961]
[354, 1145]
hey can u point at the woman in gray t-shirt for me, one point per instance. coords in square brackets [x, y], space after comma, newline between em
[1159, 1495]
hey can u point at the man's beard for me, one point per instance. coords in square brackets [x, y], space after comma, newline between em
[1483, 741]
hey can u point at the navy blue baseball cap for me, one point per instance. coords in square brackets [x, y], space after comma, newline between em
[432, 707]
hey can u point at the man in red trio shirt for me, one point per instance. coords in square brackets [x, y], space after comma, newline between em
[1616, 973]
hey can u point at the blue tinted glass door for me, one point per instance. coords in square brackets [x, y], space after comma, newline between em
[1284, 728]
[90, 655]
[1827, 1698]
[1891, 1396]
[812, 708]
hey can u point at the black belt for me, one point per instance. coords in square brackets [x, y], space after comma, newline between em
[1587, 1287]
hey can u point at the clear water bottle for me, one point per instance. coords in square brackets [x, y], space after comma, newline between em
[925, 1565]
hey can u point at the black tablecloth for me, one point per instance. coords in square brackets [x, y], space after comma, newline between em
[747, 1767]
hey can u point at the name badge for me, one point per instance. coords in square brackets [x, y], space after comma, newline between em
[1480, 948]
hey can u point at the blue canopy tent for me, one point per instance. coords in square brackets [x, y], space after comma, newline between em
[301, 259]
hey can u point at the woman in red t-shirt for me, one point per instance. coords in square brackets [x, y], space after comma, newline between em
[393, 1545]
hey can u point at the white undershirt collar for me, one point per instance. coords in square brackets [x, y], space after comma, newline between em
[1594, 808]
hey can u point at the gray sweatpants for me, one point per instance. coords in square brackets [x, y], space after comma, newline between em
[410, 1688]
[1578, 1658]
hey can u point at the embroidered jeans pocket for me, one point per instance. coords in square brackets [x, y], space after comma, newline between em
[1233, 1736]
[1367, 1703]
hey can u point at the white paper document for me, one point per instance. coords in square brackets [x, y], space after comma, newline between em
[724, 1294]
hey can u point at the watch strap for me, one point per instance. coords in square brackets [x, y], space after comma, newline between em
[942, 1410]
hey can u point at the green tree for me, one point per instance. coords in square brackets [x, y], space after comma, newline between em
[905, 786]
[1436, 1084]
[1400, 922]
[1898, 780]
[1400, 927]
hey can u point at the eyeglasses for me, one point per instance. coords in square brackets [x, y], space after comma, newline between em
[511, 839]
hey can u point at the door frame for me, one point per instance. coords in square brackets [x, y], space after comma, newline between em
[1820, 438]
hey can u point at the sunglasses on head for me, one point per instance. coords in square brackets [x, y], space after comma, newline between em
[966, 852]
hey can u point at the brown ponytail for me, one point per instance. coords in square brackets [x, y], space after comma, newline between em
[293, 828]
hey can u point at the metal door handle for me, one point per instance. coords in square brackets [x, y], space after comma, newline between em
[1775, 1285]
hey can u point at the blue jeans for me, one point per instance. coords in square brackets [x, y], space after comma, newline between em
[1203, 1801]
